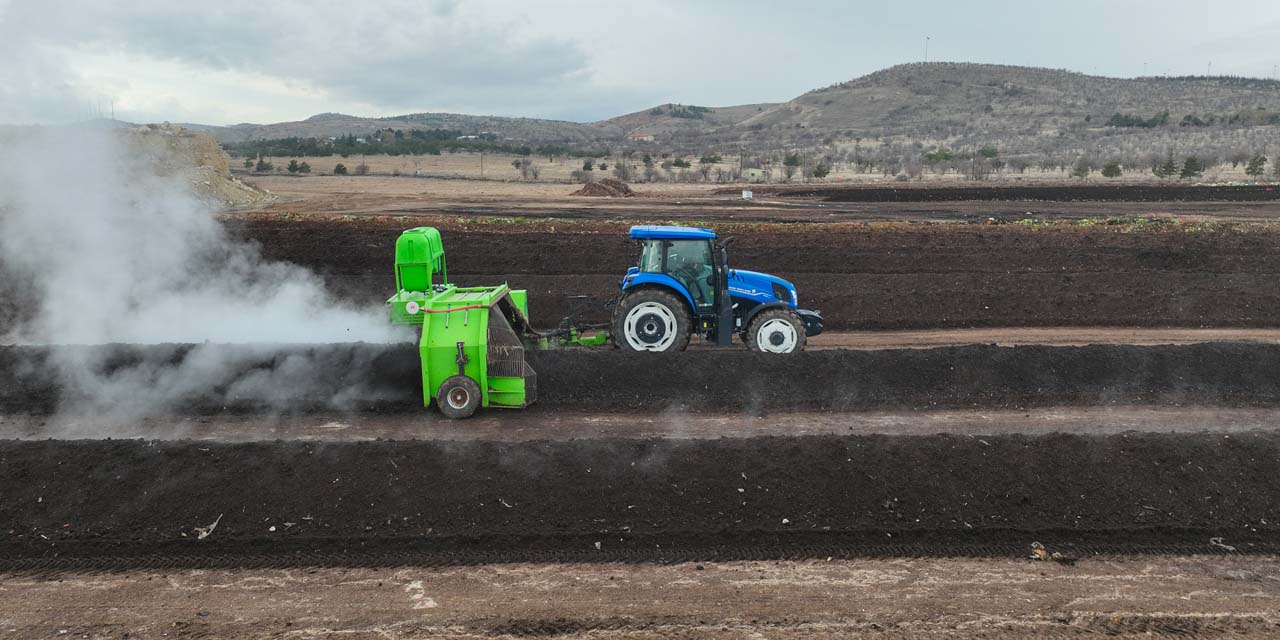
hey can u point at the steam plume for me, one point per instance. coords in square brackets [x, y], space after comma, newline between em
[112, 251]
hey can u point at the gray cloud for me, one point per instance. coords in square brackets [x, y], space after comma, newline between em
[400, 53]
[563, 58]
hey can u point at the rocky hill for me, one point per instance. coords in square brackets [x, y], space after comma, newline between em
[1020, 110]
[945, 99]
[675, 120]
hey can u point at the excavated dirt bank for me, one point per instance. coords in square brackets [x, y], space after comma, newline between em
[384, 378]
[778, 496]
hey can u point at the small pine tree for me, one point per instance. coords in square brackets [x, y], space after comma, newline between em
[293, 166]
[603, 166]
[1166, 169]
[304, 168]
[248, 163]
[262, 166]
[821, 171]
[1082, 169]
[588, 165]
[1257, 167]
[1112, 170]
[1191, 168]
[340, 169]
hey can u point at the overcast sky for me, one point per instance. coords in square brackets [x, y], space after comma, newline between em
[230, 61]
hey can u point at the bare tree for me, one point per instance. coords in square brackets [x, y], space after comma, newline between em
[524, 166]
[622, 170]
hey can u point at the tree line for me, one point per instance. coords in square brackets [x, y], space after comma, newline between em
[395, 142]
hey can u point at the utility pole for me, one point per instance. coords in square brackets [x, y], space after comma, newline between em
[481, 164]
[926, 48]
[1209, 71]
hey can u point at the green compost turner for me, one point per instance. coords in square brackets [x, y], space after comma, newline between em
[473, 339]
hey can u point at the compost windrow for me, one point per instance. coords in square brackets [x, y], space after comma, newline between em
[721, 381]
[112, 498]
[917, 276]
[900, 277]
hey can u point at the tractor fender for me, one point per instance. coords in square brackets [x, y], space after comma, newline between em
[755, 311]
[663, 280]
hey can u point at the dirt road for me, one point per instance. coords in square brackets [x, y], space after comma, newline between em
[954, 598]
[385, 379]
[1048, 336]
[515, 426]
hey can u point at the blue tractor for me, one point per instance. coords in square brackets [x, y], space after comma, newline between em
[682, 285]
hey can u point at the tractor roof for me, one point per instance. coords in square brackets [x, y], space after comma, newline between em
[658, 232]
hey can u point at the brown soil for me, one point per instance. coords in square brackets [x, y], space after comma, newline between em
[859, 276]
[523, 426]
[968, 599]
[608, 188]
[385, 379]
[461, 502]
[1058, 193]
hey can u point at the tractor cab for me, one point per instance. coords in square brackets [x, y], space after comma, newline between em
[686, 256]
[682, 284]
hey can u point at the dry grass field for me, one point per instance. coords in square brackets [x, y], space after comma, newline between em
[498, 167]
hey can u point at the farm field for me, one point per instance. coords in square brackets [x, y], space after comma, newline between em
[1100, 378]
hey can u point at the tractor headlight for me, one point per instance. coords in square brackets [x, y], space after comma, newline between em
[795, 298]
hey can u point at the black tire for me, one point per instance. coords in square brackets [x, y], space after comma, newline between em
[776, 331]
[651, 320]
[458, 397]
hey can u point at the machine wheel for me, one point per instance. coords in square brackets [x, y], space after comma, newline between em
[651, 320]
[776, 331]
[459, 397]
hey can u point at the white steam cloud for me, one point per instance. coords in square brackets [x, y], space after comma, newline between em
[117, 253]
[108, 250]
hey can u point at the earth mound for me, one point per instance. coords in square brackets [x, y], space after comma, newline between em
[606, 188]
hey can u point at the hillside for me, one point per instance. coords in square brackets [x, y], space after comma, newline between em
[668, 120]
[942, 98]
[336, 124]
[891, 117]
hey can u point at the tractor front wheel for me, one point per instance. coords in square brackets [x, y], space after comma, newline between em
[458, 397]
[651, 320]
[776, 331]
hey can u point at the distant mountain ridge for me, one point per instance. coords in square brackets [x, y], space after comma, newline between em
[960, 104]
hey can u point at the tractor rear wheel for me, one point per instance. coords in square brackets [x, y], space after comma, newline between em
[458, 397]
[651, 320]
[776, 331]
